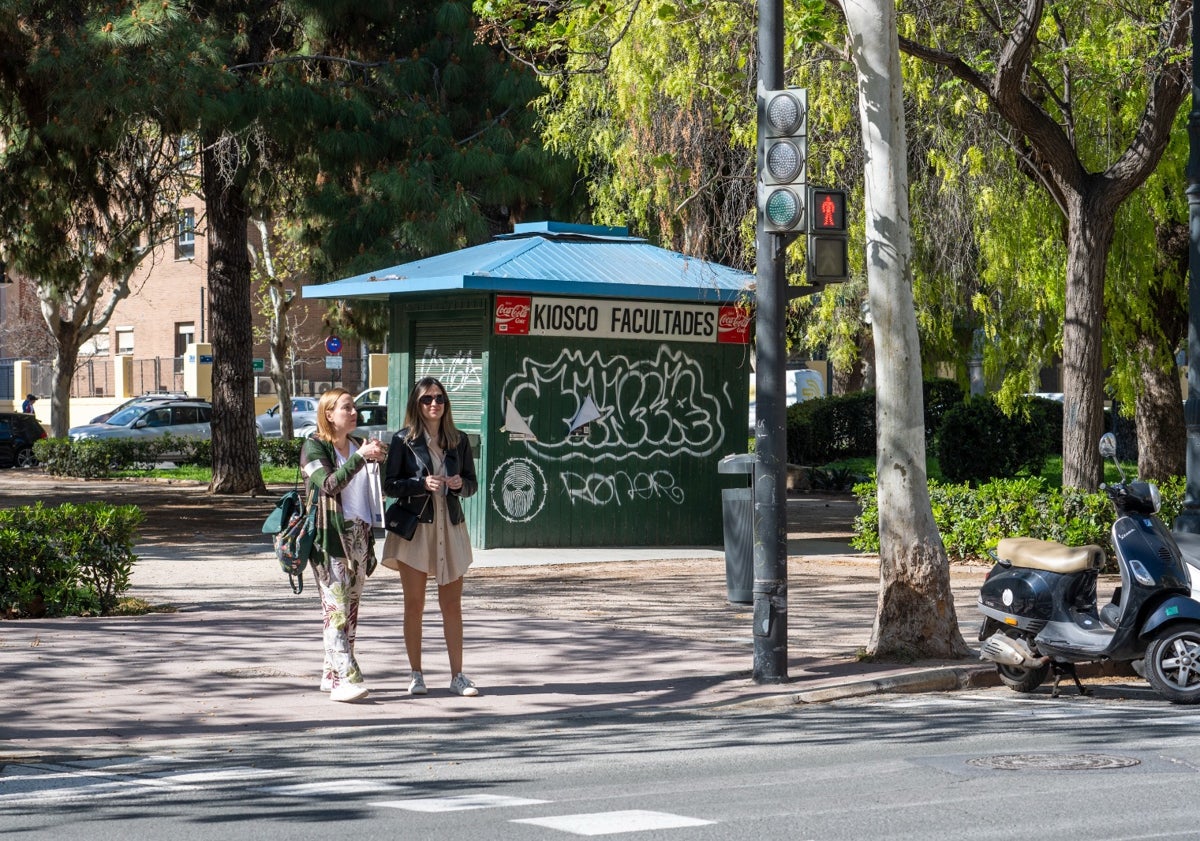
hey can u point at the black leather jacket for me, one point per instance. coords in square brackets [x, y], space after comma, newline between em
[409, 462]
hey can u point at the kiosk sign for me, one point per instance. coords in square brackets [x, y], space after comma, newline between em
[611, 319]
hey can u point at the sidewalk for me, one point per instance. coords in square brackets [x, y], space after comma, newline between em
[548, 633]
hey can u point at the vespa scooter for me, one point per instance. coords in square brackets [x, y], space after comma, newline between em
[1041, 613]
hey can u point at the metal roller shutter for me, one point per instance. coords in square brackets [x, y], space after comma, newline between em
[452, 351]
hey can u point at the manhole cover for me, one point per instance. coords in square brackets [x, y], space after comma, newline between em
[1054, 762]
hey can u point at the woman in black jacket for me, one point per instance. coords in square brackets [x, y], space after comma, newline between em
[429, 469]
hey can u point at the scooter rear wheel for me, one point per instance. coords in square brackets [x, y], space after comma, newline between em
[1172, 664]
[1023, 680]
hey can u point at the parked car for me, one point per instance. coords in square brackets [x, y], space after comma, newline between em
[304, 418]
[179, 418]
[372, 418]
[18, 431]
[148, 397]
[371, 397]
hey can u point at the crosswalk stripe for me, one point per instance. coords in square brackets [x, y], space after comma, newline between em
[609, 823]
[457, 803]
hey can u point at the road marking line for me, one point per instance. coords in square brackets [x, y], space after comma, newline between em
[457, 803]
[332, 787]
[609, 823]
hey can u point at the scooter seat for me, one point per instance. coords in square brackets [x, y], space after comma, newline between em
[1031, 553]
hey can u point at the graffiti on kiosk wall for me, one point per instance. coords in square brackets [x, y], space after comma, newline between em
[607, 409]
[518, 490]
[658, 407]
[621, 487]
[455, 370]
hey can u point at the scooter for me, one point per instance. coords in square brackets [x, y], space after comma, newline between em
[1041, 612]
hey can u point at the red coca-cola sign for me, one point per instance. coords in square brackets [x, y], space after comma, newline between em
[512, 315]
[733, 325]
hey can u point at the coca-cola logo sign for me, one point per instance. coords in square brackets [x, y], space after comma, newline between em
[512, 315]
[733, 325]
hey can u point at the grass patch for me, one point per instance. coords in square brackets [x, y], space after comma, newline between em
[272, 474]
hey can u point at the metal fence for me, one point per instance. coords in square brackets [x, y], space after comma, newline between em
[95, 377]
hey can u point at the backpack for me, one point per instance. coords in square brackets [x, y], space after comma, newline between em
[294, 539]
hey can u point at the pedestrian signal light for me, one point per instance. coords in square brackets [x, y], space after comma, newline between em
[782, 158]
[828, 252]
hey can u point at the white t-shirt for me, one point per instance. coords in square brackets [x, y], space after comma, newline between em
[357, 498]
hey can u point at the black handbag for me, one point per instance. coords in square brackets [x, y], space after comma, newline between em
[399, 520]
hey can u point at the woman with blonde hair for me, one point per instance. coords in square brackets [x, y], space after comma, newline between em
[344, 549]
[429, 469]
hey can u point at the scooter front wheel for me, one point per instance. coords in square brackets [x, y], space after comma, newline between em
[1022, 680]
[1172, 664]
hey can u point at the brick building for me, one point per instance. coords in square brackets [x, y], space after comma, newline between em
[167, 309]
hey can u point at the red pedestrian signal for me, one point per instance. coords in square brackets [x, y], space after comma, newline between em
[828, 250]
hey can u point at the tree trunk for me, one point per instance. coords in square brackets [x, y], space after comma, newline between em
[1161, 432]
[234, 446]
[1089, 238]
[66, 357]
[915, 616]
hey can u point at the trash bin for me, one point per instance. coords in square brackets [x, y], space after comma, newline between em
[737, 514]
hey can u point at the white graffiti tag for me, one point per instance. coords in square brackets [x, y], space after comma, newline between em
[456, 370]
[649, 407]
[518, 490]
[620, 487]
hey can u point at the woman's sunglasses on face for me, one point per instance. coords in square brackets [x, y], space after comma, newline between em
[427, 399]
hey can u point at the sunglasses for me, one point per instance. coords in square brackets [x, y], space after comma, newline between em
[427, 399]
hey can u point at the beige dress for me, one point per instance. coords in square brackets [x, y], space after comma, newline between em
[440, 548]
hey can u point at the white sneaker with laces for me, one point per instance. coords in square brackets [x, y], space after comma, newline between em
[462, 685]
[416, 686]
[348, 692]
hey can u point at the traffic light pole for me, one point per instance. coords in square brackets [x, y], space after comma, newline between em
[770, 476]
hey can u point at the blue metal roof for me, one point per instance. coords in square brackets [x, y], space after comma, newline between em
[554, 258]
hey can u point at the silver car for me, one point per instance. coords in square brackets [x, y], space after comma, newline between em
[180, 419]
[304, 418]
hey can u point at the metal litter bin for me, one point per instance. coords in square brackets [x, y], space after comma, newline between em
[737, 514]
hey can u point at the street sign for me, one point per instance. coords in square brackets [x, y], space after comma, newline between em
[333, 362]
[258, 364]
[334, 345]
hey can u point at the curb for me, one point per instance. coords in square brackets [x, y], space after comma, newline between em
[941, 679]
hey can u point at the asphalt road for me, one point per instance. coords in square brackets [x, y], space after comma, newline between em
[983, 765]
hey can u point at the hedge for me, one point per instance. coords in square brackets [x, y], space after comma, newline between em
[971, 520]
[68, 560]
[98, 458]
[843, 426]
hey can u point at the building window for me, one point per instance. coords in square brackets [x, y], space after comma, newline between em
[185, 334]
[185, 236]
[187, 152]
[125, 341]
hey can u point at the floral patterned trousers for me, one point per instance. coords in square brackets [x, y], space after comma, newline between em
[341, 582]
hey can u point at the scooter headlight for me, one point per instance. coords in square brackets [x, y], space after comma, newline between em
[1141, 573]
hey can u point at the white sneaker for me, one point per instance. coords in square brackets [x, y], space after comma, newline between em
[348, 692]
[462, 685]
[416, 686]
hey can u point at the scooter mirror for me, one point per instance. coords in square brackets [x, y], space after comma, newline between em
[1108, 445]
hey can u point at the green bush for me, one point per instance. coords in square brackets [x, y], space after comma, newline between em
[99, 458]
[977, 441]
[68, 560]
[971, 520]
[843, 426]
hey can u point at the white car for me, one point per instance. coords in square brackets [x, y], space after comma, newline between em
[304, 418]
[178, 418]
[372, 397]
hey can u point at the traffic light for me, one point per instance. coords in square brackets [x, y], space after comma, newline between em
[782, 158]
[828, 258]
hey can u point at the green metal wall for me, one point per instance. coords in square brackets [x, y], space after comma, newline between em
[645, 474]
[446, 338]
